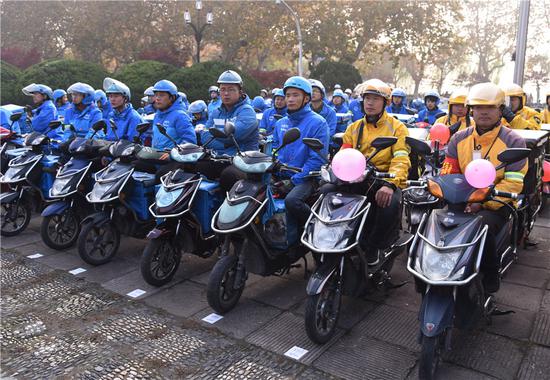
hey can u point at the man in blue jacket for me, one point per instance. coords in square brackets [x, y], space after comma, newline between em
[123, 114]
[103, 103]
[170, 114]
[275, 113]
[45, 110]
[215, 101]
[398, 103]
[235, 109]
[298, 93]
[431, 113]
[343, 114]
[84, 113]
[61, 102]
[320, 105]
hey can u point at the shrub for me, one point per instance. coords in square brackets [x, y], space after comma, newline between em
[9, 76]
[331, 73]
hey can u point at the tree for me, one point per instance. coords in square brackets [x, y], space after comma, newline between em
[331, 73]
[8, 83]
[19, 57]
[537, 71]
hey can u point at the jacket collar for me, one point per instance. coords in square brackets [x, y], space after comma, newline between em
[298, 116]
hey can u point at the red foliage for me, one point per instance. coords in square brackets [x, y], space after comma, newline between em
[270, 79]
[161, 55]
[19, 57]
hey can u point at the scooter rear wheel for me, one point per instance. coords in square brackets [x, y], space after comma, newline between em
[14, 218]
[159, 262]
[221, 293]
[60, 231]
[97, 245]
[429, 357]
[322, 312]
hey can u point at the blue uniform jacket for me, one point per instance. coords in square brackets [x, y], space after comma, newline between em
[356, 110]
[268, 119]
[61, 110]
[298, 154]
[246, 128]
[178, 126]
[330, 116]
[41, 117]
[213, 105]
[401, 110]
[430, 116]
[126, 122]
[343, 117]
[83, 121]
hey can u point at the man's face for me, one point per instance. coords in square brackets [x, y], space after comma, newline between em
[294, 98]
[38, 98]
[280, 102]
[197, 116]
[515, 103]
[230, 93]
[373, 104]
[163, 100]
[486, 116]
[317, 95]
[213, 95]
[337, 100]
[117, 100]
[458, 110]
[77, 97]
[397, 100]
[430, 104]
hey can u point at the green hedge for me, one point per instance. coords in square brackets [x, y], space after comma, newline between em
[331, 73]
[195, 80]
[9, 76]
[142, 74]
[61, 73]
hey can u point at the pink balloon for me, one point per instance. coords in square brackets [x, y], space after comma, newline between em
[440, 132]
[349, 164]
[480, 173]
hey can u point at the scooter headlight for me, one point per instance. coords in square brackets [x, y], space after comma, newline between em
[60, 187]
[166, 198]
[334, 237]
[127, 151]
[438, 265]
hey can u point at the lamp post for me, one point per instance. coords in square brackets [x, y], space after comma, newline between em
[298, 32]
[198, 29]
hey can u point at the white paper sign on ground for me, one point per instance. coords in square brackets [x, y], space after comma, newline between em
[77, 271]
[296, 352]
[136, 293]
[212, 318]
[35, 256]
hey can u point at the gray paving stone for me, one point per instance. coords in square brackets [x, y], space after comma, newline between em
[521, 297]
[528, 276]
[490, 354]
[545, 303]
[132, 281]
[248, 317]
[192, 265]
[41, 248]
[64, 260]
[542, 222]
[357, 356]
[131, 249]
[287, 331]
[276, 291]
[107, 272]
[536, 364]
[516, 326]
[537, 257]
[183, 299]
[541, 329]
[449, 371]
[203, 278]
[24, 238]
[314, 374]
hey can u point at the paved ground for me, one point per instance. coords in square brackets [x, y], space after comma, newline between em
[56, 324]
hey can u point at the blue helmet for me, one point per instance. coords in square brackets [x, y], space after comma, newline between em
[300, 83]
[278, 92]
[198, 106]
[113, 86]
[230, 77]
[149, 91]
[432, 94]
[339, 93]
[166, 86]
[84, 89]
[417, 104]
[319, 85]
[183, 96]
[258, 103]
[399, 92]
[58, 94]
[40, 88]
[100, 96]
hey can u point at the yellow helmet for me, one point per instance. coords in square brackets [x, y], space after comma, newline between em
[459, 96]
[485, 94]
[375, 86]
[513, 89]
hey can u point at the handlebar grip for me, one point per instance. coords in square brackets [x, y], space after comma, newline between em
[415, 183]
[505, 194]
[314, 173]
[293, 168]
[384, 175]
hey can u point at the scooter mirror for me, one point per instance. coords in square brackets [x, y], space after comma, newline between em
[55, 124]
[142, 127]
[161, 129]
[314, 144]
[338, 138]
[383, 142]
[291, 135]
[512, 155]
[15, 116]
[418, 146]
[99, 125]
[216, 133]
[229, 128]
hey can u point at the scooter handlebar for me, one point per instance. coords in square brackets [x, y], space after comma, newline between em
[384, 175]
[291, 168]
[505, 194]
[415, 183]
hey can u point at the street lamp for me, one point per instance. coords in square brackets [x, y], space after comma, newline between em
[298, 31]
[198, 29]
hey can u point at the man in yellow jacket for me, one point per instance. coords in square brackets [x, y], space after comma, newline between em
[385, 196]
[546, 113]
[456, 116]
[518, 115]
[486, 140]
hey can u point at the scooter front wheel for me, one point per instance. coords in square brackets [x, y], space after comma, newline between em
[159, 262]
[60, 231]
[429, 357]
[322, 312]
[221, 293]
[14, 217]
[98, 244]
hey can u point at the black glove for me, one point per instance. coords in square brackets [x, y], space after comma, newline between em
[508, 114]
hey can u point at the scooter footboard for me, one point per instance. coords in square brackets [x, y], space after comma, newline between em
[437, 310]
